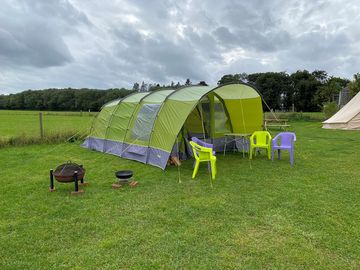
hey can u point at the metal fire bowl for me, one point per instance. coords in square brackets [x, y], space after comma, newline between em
[124, 176]
[65, 172]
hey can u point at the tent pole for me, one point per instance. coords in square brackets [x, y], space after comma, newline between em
[202, 121]
[177, 146]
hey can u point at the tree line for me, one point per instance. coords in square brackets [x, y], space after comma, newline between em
[68, 99]
[144, 87]
[299, 91]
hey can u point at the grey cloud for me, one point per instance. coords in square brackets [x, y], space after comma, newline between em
[253, 40]
[317, 46]
[204, 43]
[38, 38]
[116, 43]
[175, 59]
[247, 66]
[61, 10]
[253, 15]
[32, 48]
[157, 56]
[224, 36]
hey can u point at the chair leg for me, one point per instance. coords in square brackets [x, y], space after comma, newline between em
[213, 170]
[196, 169]
[291, 157]
[251, 152]
[279, 154]
[268, 151]
[272, 154]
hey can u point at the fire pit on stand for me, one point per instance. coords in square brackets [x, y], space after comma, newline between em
[67, 173]
[123, 176]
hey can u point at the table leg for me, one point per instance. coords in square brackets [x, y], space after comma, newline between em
[243, 147]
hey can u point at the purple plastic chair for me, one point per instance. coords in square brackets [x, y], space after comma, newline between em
[283, 141]
[203, 144]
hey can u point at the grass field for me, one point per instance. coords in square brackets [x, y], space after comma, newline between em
[26, 123]
[295, 116]
[257, 215]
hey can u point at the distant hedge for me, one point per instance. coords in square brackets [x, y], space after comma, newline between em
[68, 99]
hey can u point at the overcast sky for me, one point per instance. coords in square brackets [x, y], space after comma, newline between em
[108, 43]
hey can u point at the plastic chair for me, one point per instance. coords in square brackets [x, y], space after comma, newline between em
[203, 154]
[284, 141]
[260, 139]
[203, 144]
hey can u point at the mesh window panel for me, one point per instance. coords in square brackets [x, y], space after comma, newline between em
[205, 106]
[221, 119]
[145, 121]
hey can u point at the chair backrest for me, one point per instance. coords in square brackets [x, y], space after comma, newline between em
[200, 152]
[201, 143]
[285, 138]
[260, 137]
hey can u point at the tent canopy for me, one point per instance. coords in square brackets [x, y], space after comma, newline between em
[146, 126]
[348, 117]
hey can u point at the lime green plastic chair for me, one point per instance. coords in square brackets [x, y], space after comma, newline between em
[260, 139]
[203, 154]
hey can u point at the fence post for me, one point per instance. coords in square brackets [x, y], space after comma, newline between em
[41, 125]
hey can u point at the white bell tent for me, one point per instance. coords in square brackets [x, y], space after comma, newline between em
[348, 117]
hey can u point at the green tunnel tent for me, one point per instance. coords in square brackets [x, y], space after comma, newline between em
[149, 126]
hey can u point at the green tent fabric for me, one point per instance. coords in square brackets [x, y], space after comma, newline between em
[146, 126]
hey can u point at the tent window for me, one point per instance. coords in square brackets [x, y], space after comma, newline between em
[206, 116]
[221, 119]
[145, 121]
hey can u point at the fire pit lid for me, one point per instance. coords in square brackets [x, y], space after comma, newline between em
[126, 174]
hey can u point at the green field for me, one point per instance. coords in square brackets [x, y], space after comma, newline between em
[257, 215]
[26, 123]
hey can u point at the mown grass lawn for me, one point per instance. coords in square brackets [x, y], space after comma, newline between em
[26, 123]
[257, 215]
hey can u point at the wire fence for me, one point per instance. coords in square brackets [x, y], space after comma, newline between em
[30, 127]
